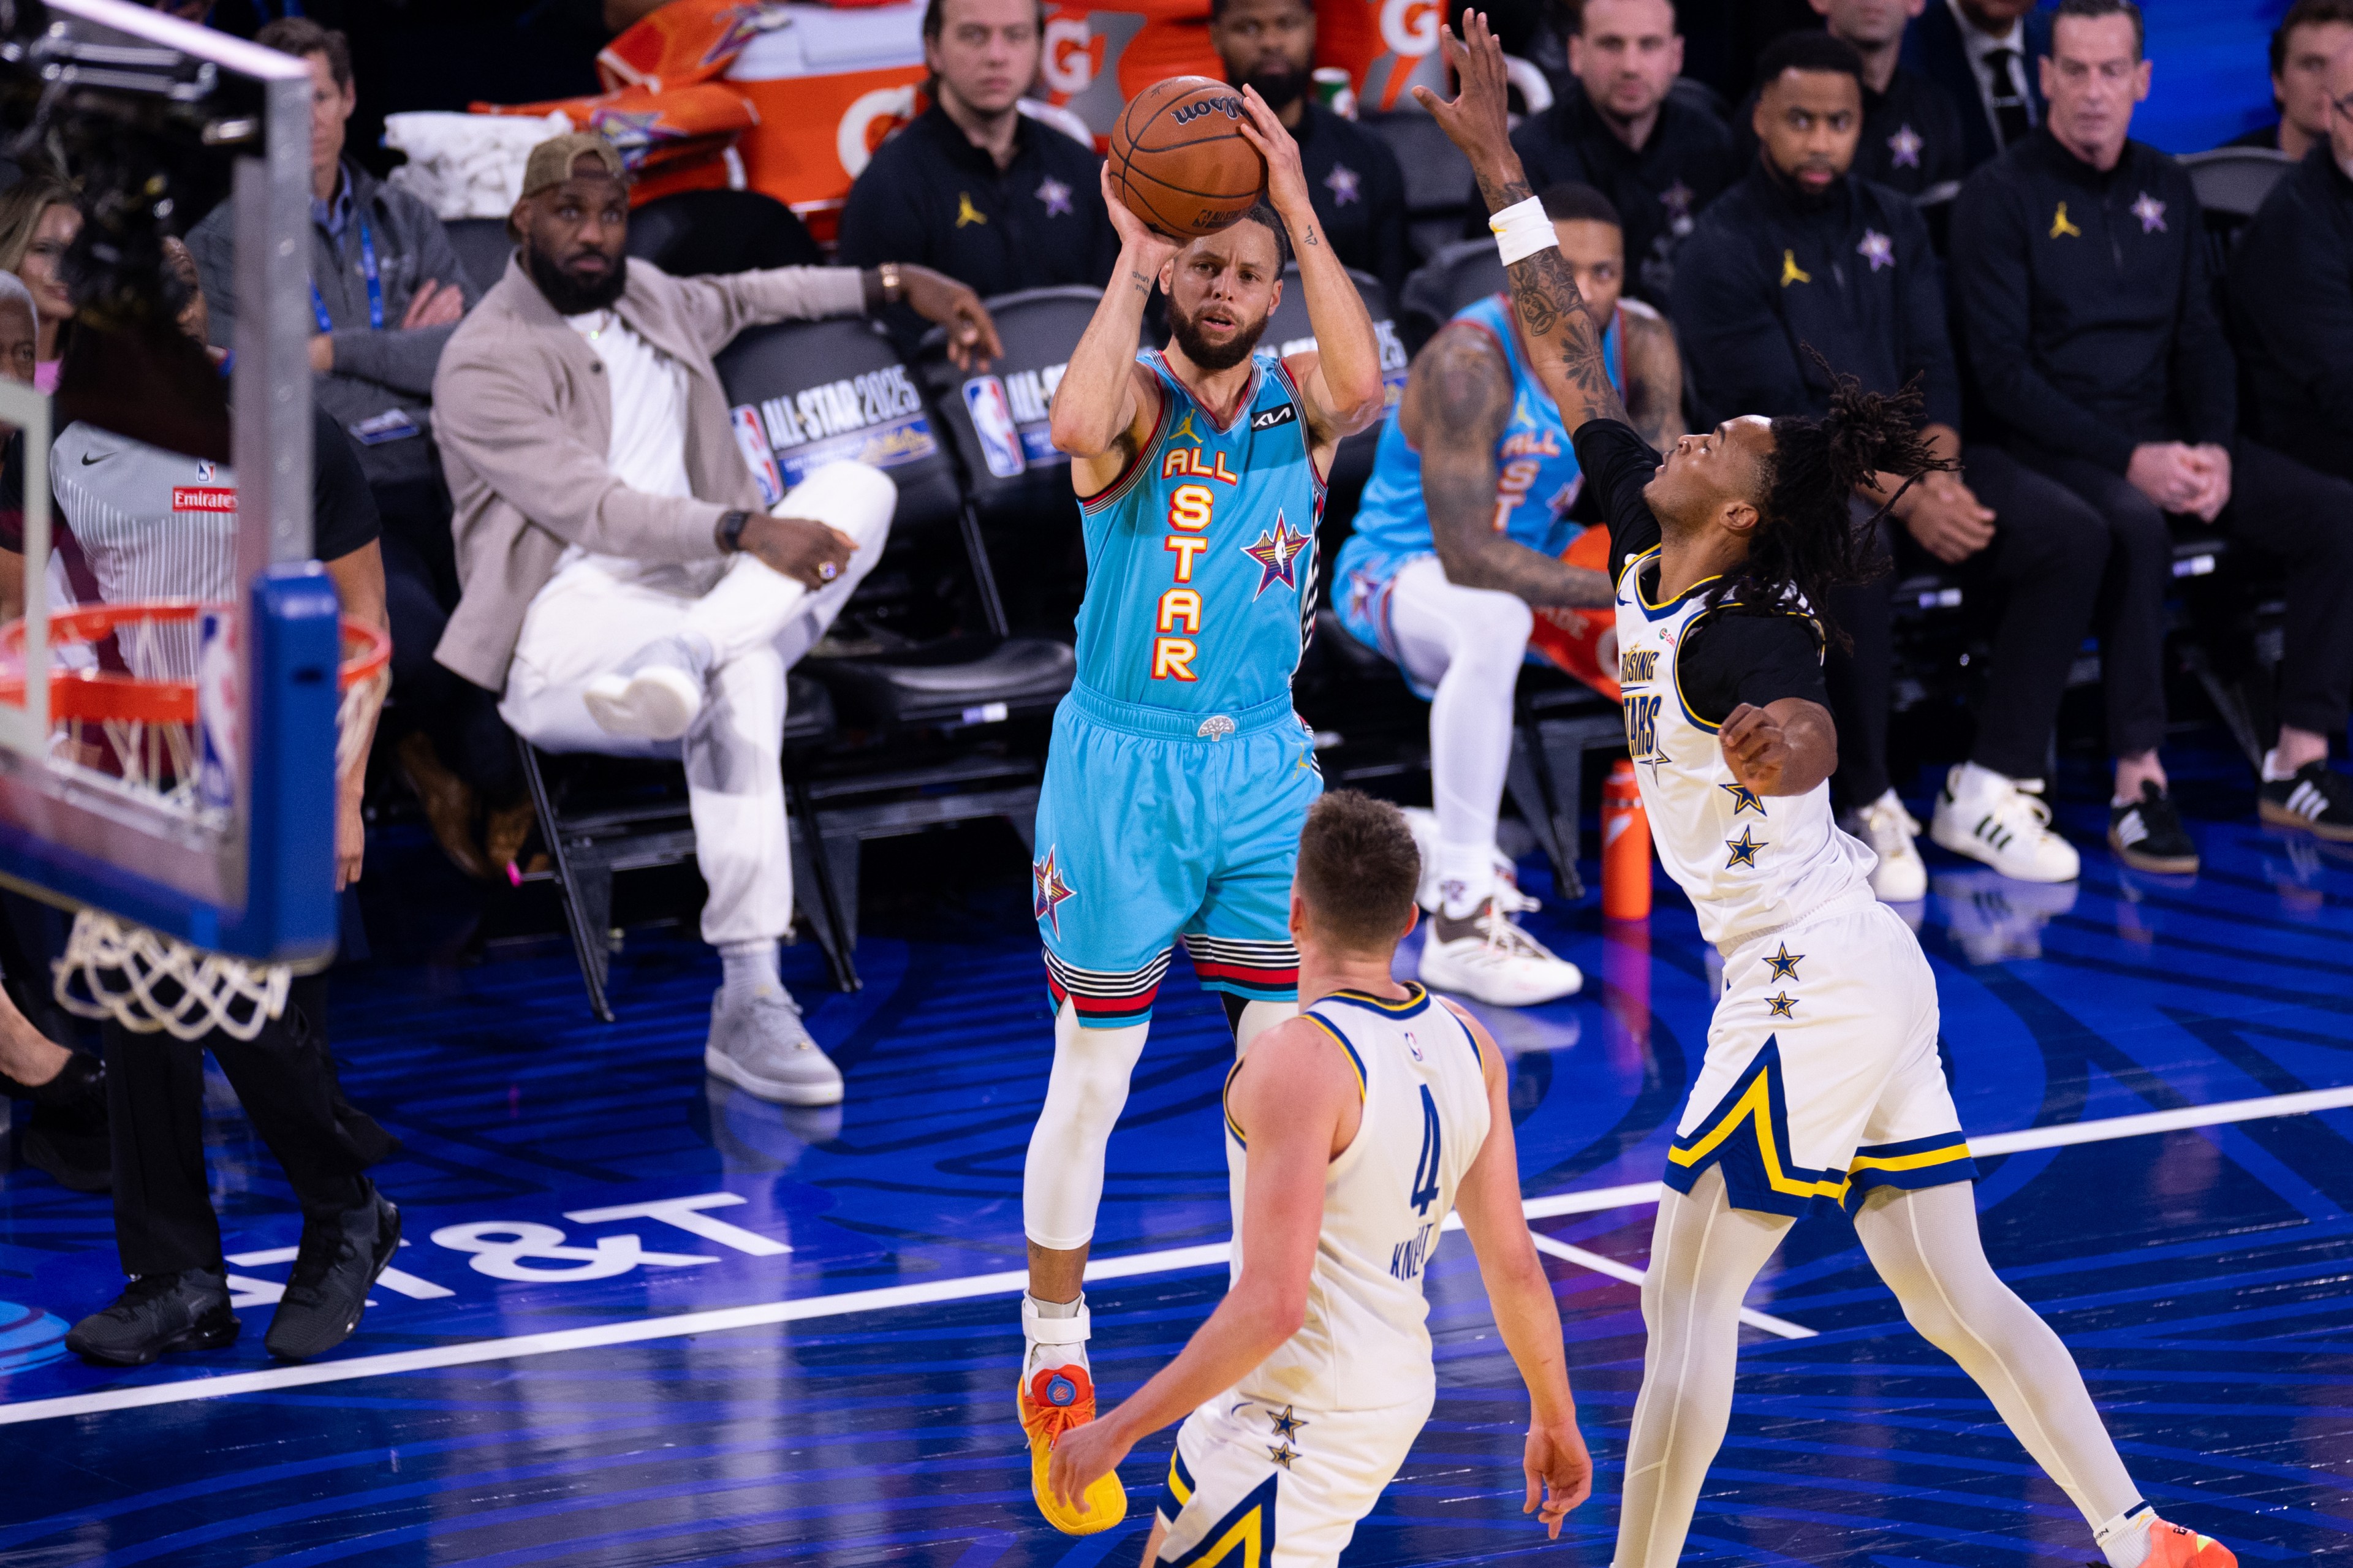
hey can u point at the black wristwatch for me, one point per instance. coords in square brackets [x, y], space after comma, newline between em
[731, 531]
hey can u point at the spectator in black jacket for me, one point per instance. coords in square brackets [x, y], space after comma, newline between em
[2292, 296]
[1801, 258]
[1988, 54]
[2313, 33]
[1352, 176]
[1658, 160]
[1911, 127]
[2088, 319]
[974, 187]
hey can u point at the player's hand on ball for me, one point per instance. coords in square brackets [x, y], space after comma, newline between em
[1559, 1472]
[1478, 120]
[810, 554]
[1286, 181]
[1083, 1455]
[940, 298]
[1755, 748]
[1144, 247]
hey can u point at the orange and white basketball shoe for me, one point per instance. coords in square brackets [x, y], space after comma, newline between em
[2177, 1546]
[1054, 1399]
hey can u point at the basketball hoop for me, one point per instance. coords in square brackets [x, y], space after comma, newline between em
[137, 707]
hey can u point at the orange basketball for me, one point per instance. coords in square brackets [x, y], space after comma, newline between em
[1179, 160]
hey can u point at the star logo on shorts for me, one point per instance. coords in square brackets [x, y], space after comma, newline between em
[1286, 1423]
[1877, 250]
[1784, 1007]
[1276, 555]
[1742, 799]
[1907, 145]
[1344, 184]
[1048, 891]
[1785, 963]
[1744, 850]
[1282, 1454]
[2151, 213]
[1056, 195]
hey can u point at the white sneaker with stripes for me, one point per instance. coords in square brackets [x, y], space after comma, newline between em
[1989, 818]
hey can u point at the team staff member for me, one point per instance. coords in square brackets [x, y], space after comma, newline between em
[2292, 296]
[973, 188]
[1800, 256]
[1987, 53]
[2079, 265]
[1658, 161]
[1352, 176]
[2312, 34]
[1911, 127]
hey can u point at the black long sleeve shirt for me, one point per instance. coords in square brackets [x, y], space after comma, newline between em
[1911, 134]
[1358, 190]
[2291, 296]
[1658, 190]
[931, 197]
[2087, 316]
[1853, 275]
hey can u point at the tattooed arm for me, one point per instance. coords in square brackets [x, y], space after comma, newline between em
[1654, 376]
[1564, 337]
[1458, 399]
[1106, 402]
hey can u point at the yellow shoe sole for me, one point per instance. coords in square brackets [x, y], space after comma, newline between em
[1106, 1500]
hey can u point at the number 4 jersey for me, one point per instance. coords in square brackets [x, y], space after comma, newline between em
[1366, 1342]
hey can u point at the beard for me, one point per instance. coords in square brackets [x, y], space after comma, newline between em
[1277, 83]
[569, 296]
[1209, 356]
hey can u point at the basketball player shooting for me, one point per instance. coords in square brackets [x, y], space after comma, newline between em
[1350, 1132]
[1177, 775]
[1822, 1079]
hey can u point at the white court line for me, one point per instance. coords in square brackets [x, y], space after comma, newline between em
[1632, 1276]
[767, 1313]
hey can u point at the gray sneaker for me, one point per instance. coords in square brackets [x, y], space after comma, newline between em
[759, 1044]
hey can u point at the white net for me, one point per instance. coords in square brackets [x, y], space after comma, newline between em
[152, 983]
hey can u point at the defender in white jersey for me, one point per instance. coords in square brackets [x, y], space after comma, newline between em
[1821, 1079]
[1350, 1132]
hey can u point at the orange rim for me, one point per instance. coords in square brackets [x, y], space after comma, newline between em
[100, 696]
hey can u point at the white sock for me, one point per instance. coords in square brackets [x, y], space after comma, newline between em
[749, 967]
[1466, 876]
[2276, 771]
[1044, 1354]
[2124, 1539]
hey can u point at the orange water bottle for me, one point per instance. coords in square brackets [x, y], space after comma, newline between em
[1625, 847]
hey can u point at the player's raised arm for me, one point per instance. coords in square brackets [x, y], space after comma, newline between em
[1343, 389]
[1296, 1100]
[1564, 337]
[1103, 407]
[1559, 1472]
[1458, 398]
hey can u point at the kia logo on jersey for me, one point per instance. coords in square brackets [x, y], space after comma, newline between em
[1274, 416]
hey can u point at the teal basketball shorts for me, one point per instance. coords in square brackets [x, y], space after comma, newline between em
[1154, 826]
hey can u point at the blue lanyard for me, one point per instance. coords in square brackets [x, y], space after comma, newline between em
[375, 285]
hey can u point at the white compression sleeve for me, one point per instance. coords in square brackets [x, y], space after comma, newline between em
[1061, 1184]
[1705, 1254]
[1925, 1245]
[1257, 1018]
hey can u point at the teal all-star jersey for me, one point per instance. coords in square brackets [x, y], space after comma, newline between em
[1201, 556]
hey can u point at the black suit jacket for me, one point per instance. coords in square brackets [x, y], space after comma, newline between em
[1933, 46]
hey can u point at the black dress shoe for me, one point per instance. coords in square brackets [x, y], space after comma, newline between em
[66, 1135]
[158, 1313]
[338, 1260]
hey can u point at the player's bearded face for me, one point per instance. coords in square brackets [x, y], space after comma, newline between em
[573, 239]
[1221, 297]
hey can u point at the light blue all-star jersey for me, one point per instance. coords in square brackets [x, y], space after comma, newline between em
[1201, 558]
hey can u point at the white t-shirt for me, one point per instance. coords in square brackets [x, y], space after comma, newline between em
[1980, 47]
[647, 449]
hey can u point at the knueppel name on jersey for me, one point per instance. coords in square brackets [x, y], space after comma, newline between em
[1407, 1256]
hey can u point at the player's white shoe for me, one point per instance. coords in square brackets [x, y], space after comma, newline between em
[1889, 830]
[1989, 818]
[1495, 962]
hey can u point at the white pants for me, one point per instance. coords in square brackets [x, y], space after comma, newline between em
[1294, 1479]
[596, 612]
[1466, 646]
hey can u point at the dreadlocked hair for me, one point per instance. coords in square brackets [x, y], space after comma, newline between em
[1806, 539]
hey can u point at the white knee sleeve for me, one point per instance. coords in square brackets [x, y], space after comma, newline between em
[1061, 1184]
[1257, 1018]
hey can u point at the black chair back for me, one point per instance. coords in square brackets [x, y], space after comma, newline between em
[996, 421]
[694, 233]
[482, 246]
[1287, 332]
[2232, 181]
[1437, 180]
[1461, 273]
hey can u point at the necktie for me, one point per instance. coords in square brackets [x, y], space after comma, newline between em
[2011, 116]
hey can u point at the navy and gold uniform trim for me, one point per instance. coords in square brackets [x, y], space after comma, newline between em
[1642, 598]
[1180, 1489]
[1416, 1001]
[1244, 1538]
[1748, 1137]
[1693, 719]
[1355, 1058]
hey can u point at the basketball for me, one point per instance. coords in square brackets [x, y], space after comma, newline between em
[1178, 159]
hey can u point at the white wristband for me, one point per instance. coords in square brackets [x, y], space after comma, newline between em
[1522, 229]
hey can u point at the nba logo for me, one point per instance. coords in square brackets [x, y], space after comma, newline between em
[992, 418]
[753, 442]
[216, 709]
